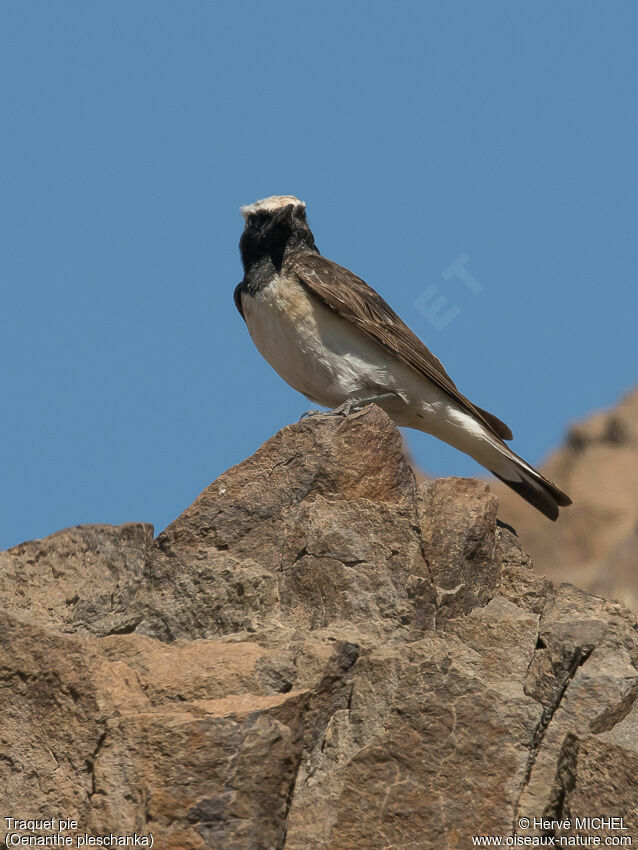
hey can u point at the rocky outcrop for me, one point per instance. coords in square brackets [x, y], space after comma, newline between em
[316, 654]
[595, 543]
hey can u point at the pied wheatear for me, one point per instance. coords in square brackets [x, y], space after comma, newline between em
[334, 339]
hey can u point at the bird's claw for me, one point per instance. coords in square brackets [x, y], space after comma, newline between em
[310, 413]
[344, 409]
[350, 405]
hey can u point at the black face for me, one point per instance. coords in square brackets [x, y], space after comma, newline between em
[268, 235]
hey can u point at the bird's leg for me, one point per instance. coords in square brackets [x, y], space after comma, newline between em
[350, 405]
[344, 409]
[353, 404]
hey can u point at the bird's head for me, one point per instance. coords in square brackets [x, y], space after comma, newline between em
[273, 226]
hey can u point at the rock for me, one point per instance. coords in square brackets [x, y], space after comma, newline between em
[316, 653]
[595, 543]
[218, 568]
[78, 579]
[458, 526]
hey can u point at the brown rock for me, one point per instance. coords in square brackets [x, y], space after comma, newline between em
[81, 578]
[458, 525]
[314, 654]
[595, 542]
[216, 568]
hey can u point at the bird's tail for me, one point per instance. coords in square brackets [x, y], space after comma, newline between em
[529, 483]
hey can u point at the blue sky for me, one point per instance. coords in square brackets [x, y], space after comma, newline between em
[418, 133]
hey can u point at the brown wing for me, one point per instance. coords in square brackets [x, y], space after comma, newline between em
[352, 298]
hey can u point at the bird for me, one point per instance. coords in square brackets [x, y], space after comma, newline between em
[334, 339]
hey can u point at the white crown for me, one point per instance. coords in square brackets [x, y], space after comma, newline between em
[271, 204]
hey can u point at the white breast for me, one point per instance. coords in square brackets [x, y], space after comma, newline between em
[310, 347]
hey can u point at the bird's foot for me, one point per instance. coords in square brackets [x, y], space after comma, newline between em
[309, 413]
[350, 405]
[345, 409]
[354, 405]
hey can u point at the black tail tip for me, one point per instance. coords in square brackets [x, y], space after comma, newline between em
[542, 494]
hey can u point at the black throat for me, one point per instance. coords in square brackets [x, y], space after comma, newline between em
[267, 241]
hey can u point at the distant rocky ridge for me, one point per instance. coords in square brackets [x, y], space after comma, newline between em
[317, 653]
[595, 542]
